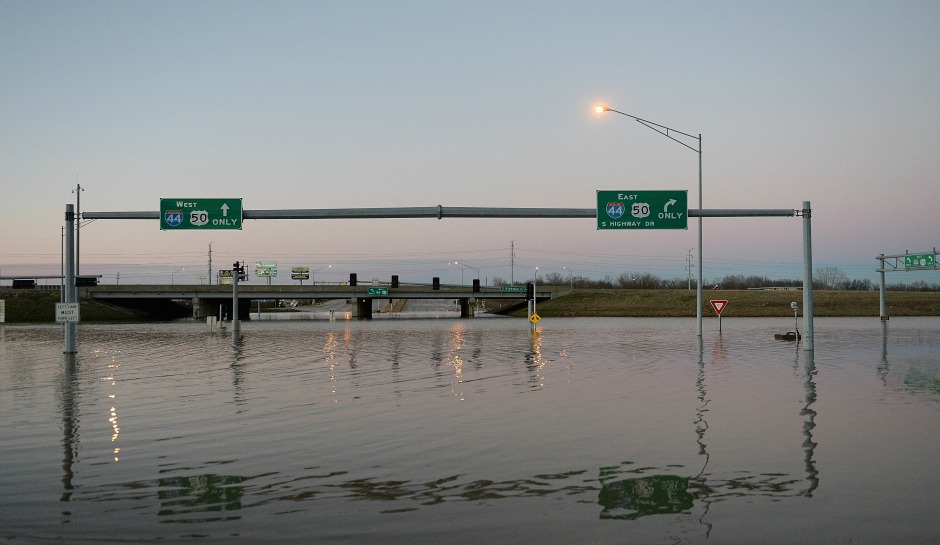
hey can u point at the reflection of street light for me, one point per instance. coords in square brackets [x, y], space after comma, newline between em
[172, 274]
[313, 278]
[665, 131]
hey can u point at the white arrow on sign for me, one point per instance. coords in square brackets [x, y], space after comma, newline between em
[224, 209]
[669, 203]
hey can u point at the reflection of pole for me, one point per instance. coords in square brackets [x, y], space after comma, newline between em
[809, 422]
[236, 276]
[69, 428]
[701, 426]
[70, 274]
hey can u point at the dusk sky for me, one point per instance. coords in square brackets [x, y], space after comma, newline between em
[399, 104]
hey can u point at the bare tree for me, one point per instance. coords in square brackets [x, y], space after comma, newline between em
[831, 278]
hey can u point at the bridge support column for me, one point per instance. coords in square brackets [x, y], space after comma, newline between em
[198, 311]
[466, 307]
[362, 308]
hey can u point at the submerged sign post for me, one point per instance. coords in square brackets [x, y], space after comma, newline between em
[643, 209]
[719, 306]
[185, 214]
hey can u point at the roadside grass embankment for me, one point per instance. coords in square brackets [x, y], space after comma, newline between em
[38, 306]
[741, 303]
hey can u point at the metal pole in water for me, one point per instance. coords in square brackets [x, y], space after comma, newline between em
[883, 291]
[807, 277]
[236, 274]
[70, 275]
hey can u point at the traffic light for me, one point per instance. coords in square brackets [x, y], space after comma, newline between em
[530, 291]
[394, 280]
[352, 279]
[238, 271]
[476, 285]
[436, 283]
[85, 281]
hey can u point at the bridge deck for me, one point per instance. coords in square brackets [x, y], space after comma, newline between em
[247, 291]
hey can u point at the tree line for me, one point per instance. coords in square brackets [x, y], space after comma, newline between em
[824, 278]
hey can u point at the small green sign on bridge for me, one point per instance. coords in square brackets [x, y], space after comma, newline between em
[378, 291]
[512, 288]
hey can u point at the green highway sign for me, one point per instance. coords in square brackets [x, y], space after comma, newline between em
[643, 209]
[378, 291]
[512, 288]
[920, 261]
[179, 214]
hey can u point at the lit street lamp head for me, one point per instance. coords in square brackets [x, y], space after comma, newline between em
[601, 109]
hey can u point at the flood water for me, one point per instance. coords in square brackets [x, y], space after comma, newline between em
[472, 431]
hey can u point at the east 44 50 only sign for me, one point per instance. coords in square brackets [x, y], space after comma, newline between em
[643, 209]
[176, 214]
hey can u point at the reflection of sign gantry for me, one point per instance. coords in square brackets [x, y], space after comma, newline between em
[628, 493]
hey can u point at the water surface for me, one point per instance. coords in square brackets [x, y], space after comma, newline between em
[464, 431]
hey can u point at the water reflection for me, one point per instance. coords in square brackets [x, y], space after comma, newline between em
[382, 454]
[200, 498]
[809, 422]
[68, 403]
[454, 360]
[238, 372]
[629, 499]
[922, 376]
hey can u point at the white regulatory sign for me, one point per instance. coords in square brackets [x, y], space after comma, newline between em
[66, 312]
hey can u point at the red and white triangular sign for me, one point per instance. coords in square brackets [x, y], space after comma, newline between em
[719, 305]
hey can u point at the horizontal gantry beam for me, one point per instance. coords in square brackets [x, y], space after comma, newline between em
[441, 212]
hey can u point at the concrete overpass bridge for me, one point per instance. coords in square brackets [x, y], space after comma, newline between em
[210, 300]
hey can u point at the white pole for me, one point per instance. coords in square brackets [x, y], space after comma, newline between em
[698, 312]
[882, 289]
[70, 275]
[807, 277]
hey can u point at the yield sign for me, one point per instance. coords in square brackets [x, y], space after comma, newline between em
[719, 305]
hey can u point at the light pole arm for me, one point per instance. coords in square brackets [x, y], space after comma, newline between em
[661, 129]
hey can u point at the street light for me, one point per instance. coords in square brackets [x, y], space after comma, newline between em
[570, 276]
[313, 273]
[668, 133]
[464, 265]
[172, 274]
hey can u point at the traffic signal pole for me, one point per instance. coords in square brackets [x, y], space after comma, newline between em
[238, 273]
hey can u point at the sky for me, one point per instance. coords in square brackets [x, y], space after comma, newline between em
[314, 105]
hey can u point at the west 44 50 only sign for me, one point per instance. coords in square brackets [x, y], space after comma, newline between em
[178, 214]
[643, 209]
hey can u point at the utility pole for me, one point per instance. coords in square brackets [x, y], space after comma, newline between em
[210, 263]
[688, 267]
[512, 261]
[78, 227]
